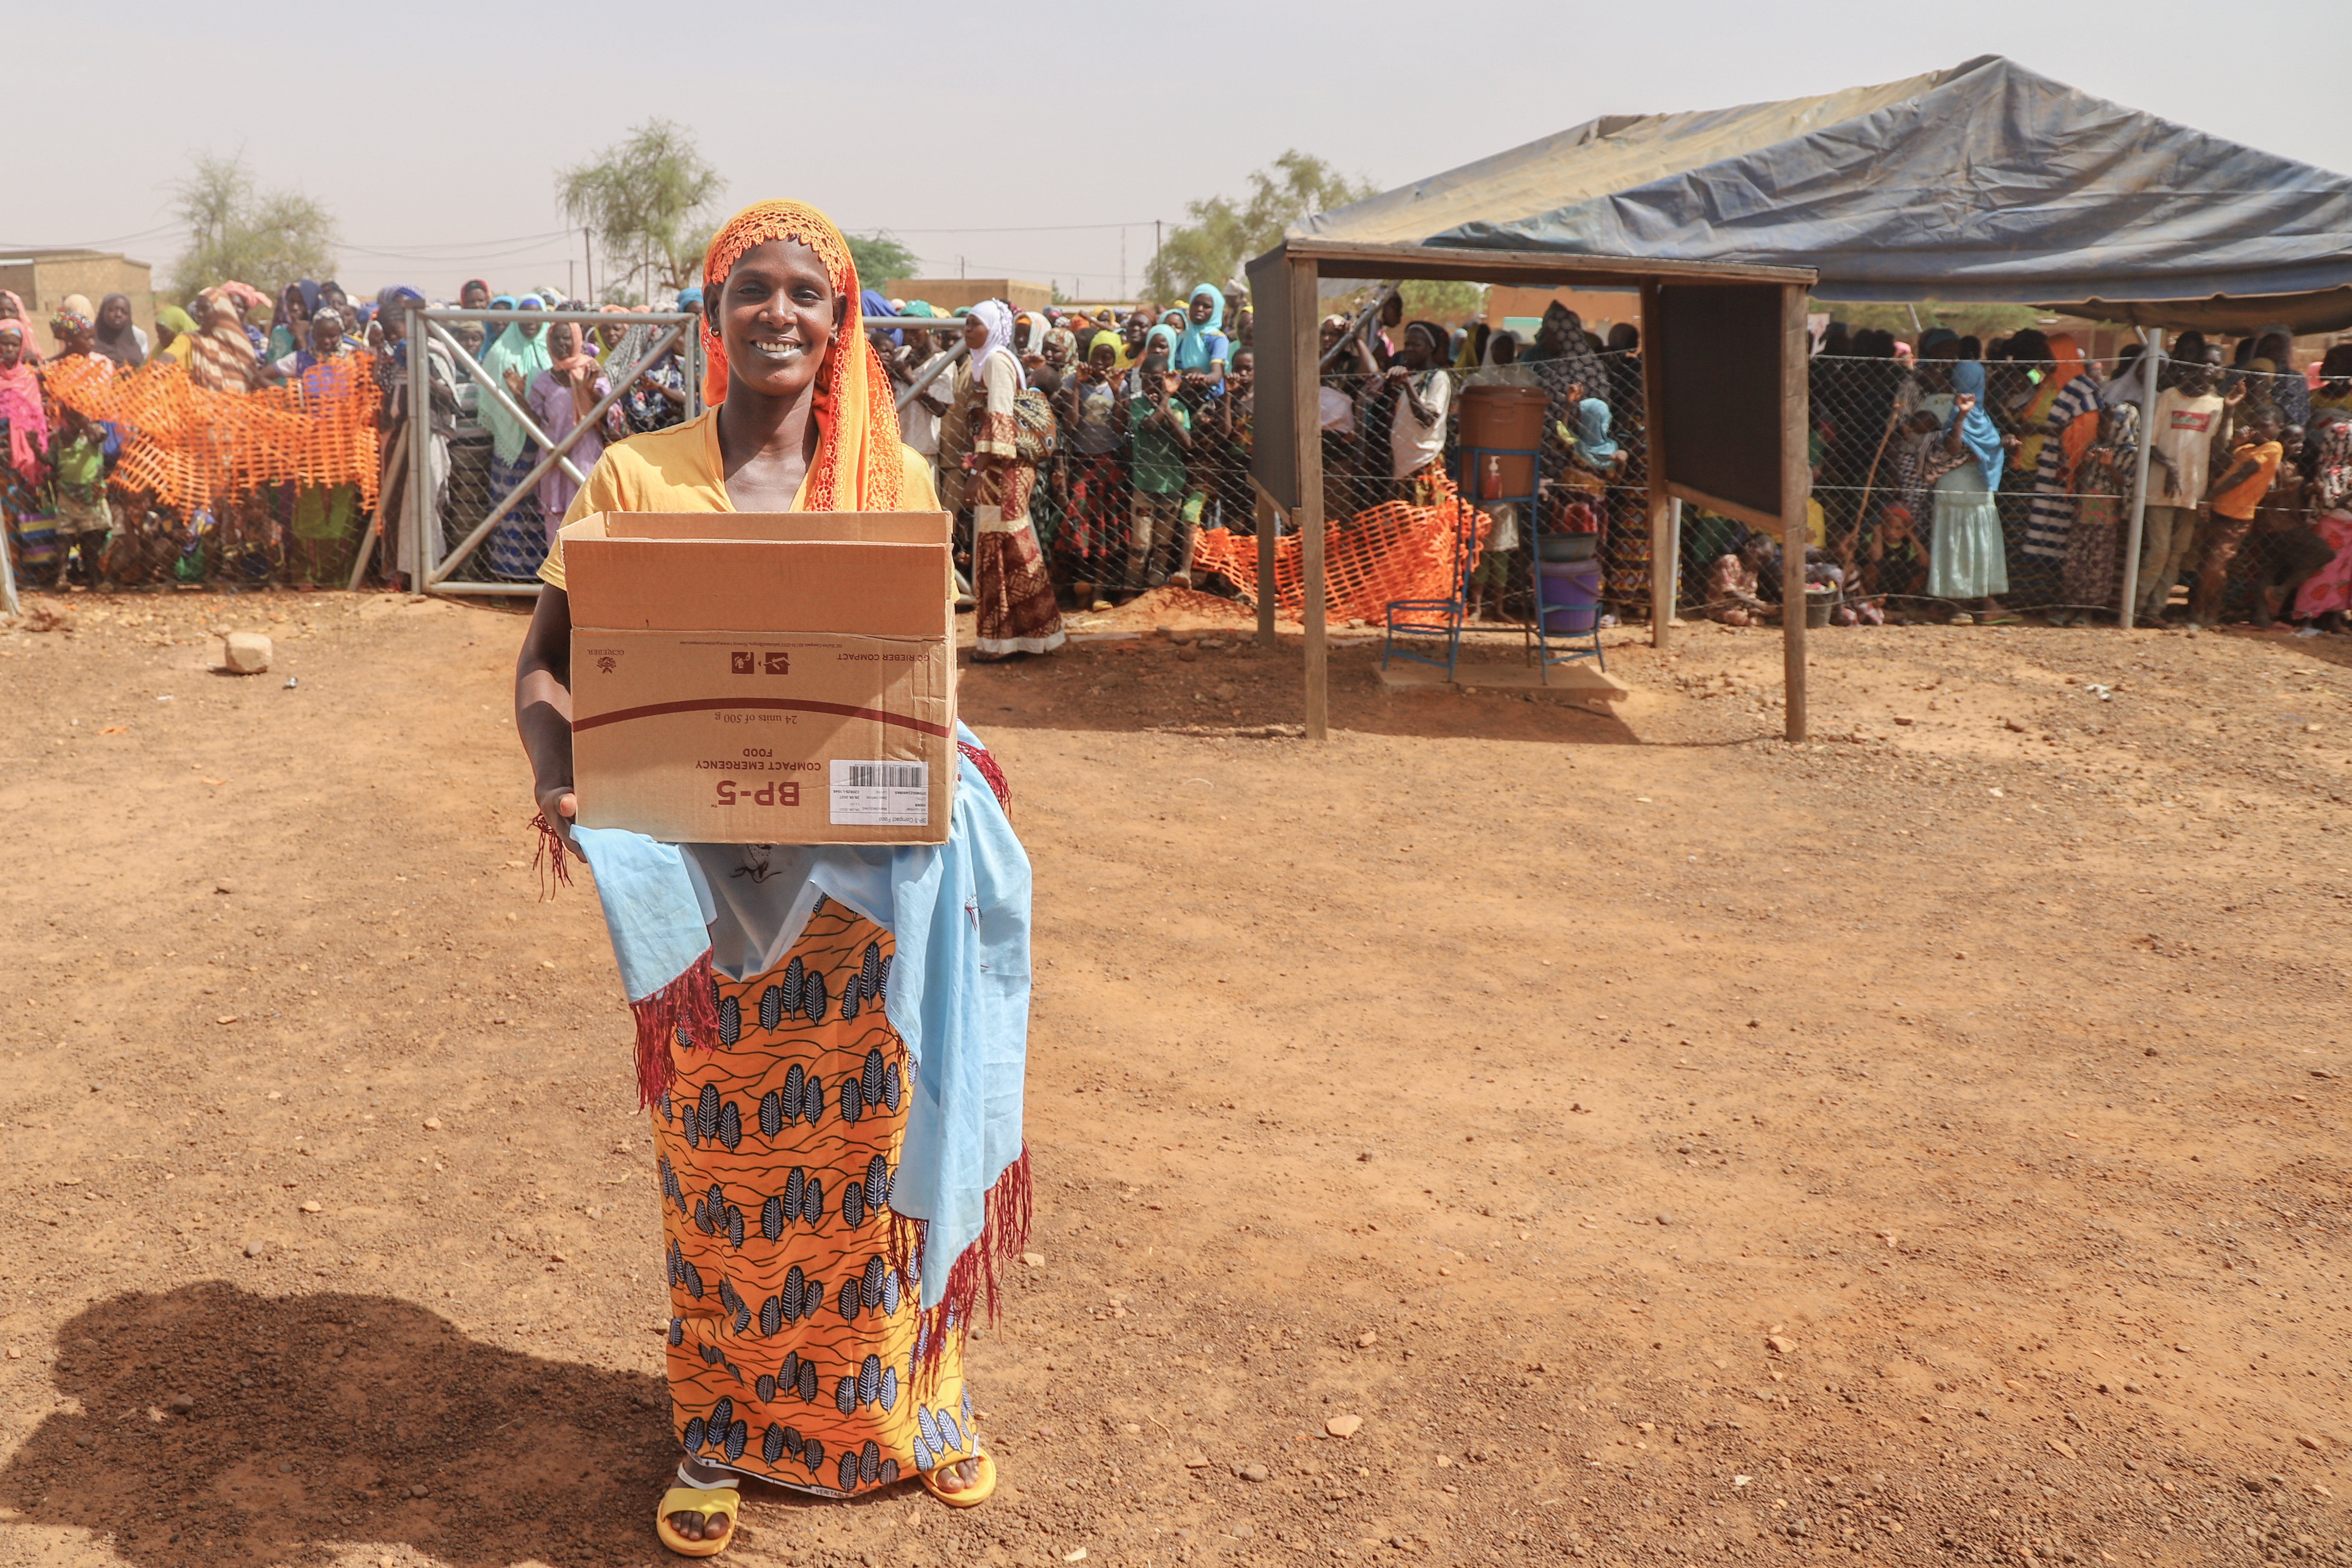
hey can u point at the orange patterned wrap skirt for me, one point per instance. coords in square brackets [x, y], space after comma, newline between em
[793, 1340]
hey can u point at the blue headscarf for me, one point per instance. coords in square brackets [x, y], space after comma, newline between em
[691, 295]
[1166, 334]
[873, 303]
[1978, 434]
[392, 301]
[1593, 443]
[1203, 344]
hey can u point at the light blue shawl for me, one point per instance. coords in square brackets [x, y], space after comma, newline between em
[1203, 342]
[1978, 432]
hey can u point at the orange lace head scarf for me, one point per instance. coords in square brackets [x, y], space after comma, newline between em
[858, 466]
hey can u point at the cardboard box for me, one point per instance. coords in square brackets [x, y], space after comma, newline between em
[743, 677]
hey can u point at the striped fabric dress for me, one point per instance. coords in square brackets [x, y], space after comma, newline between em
[2052, 517]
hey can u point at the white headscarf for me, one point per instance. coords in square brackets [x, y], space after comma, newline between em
[997, 317]
[2128, 387]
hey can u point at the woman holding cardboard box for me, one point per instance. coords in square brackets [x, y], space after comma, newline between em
[831, 1039]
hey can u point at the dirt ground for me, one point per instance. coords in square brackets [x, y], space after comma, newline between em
[1646, 1138]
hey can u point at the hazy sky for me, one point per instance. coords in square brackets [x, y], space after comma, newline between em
[1026, 139]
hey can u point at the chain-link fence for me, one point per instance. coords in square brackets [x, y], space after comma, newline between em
[2024, 504]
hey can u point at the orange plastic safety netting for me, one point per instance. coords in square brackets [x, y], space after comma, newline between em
[1391, 552]
[192, 448]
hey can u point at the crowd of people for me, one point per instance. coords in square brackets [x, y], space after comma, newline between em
[1085, 450]
[1962, 477]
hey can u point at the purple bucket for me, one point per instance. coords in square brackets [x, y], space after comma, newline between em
[1569, 594]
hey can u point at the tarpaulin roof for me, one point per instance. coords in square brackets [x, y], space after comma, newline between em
[1987, 181]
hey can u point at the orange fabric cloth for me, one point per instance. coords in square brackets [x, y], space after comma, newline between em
[2237, 502]
[192, 446]
[2066, 363]
[1394, 551]
[793, 1331]
[858, 467]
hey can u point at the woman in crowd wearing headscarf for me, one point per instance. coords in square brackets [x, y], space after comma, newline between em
[24, 417]
[1966, 558]
[12, 309]
[221, 357]
[392, 379]
[1204, 352]
[2059, 423]
[176, 332]
[1015, 608]
[1090, 411]
[322, 520]
[901, 974]
[118, 337]
[560, 396]
[655, 400]
[1562, 359]
[290, 322]
[510, 365]
[2276, 380]
[75, 332]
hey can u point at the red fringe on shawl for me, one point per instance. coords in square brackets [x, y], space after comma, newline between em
[971, 1278]
[548, 865]
[686, 1010]
[986, 763]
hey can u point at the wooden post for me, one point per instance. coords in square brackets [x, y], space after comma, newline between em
[1306, 417]
[1796, 485]
[1663, 554]
[1269, 528]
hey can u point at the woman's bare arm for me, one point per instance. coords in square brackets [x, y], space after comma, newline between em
[543, 708]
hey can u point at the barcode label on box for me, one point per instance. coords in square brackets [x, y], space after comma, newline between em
[881, 794]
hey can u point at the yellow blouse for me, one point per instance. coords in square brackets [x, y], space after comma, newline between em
[679, 470]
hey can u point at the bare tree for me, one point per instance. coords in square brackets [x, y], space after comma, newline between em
[647, 202]
[1219, 234]
[234, 231]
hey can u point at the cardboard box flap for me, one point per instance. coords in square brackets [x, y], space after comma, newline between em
[758, 585]
[856, 527]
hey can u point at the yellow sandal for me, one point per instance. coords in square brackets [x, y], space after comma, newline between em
[971, 1495]
[694, 1499]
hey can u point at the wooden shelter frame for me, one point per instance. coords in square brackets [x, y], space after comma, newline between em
[1304, 261]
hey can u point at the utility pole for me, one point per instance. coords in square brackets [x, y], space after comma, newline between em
[1122, 264]
[587, 261]
[1155, 245]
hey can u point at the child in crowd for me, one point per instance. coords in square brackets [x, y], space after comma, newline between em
[1162, 431]
[1734, 584]
[1092, 474]
[81, 454]
[2235, 495]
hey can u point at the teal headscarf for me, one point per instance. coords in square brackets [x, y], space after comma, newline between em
[526, 356]
[1203, 344]
[1594, 442]
[1978, 433]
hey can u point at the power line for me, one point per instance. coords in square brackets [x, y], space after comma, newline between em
[456, 247]
[1035, 228]
[96, 244]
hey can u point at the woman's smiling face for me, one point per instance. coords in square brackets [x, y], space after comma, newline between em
[777, 315]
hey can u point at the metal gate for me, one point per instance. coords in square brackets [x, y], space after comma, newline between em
[445, 540]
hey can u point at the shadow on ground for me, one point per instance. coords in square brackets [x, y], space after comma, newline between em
[310, 1424]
